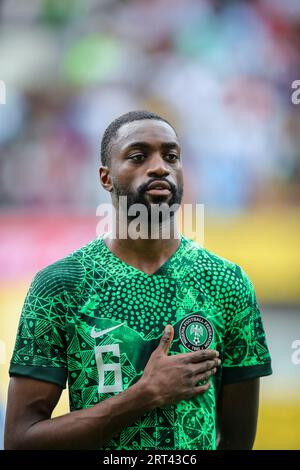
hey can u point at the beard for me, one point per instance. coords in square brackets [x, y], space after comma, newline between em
[164, 209]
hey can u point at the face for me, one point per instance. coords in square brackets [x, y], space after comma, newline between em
[145, 164]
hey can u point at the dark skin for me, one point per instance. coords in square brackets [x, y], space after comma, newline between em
[157, 156]
[166, 379]
[237, 412]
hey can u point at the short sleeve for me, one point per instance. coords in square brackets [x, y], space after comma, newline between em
[246, 354]
[40, 348]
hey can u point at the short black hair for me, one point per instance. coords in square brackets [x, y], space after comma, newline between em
[111, 131]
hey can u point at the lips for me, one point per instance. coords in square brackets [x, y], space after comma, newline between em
[158, 185]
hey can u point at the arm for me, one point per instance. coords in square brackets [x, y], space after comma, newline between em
[166, 380]
[30, 405]
[245, 358]
[237, 412]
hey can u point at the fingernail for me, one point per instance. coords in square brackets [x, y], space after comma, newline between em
[217, 353]
[168, 329]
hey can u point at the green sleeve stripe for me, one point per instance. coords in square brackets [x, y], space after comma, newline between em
[57, 375]
[232, 375]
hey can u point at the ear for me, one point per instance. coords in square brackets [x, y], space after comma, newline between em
[105, 178]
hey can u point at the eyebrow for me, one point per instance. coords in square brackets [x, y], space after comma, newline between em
[146, 145]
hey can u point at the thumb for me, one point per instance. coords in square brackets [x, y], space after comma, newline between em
[166, 339]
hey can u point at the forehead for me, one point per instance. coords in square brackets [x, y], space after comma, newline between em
[151, 131]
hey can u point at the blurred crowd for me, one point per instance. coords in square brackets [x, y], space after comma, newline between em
[220, 71]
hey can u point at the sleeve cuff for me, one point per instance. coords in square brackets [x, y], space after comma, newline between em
[232, 375]
[56, 375]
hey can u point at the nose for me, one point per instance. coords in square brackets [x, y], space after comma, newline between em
[157, 166]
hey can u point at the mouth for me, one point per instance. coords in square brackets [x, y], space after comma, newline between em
[159, 188]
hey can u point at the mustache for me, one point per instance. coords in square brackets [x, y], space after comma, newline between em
[143, 187]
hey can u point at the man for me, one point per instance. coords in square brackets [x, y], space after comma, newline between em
[96, 317]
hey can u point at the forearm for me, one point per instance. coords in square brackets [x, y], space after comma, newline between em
[237, 415]
[90, 428]
[234, 444]
[235, 438]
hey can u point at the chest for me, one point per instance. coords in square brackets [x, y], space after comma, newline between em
[134, 311]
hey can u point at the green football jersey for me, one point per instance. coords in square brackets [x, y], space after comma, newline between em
[92, 320]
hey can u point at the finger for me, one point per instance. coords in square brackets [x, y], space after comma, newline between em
[206, 365]
[204, 376]
[166, 339]
[200, 389]
[201, 355]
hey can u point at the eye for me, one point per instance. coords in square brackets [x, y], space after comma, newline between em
[137, 157]
[173, 157]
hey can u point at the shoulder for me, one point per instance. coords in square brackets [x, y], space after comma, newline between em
[65, 274]
[221, 272]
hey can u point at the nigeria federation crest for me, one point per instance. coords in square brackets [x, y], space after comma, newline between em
[196, 332]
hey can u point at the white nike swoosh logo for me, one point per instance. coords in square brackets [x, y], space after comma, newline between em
[96, 334]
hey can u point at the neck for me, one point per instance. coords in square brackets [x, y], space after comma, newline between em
[141, 243]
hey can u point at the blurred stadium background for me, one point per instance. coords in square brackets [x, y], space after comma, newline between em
[221, 71]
